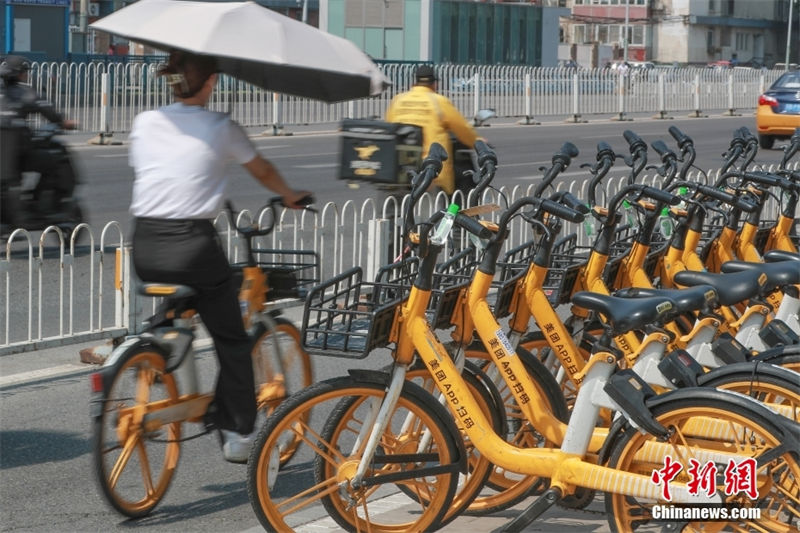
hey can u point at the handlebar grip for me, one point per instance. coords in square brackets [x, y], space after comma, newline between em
[770, 181]
[747, 134]
[561, 211]
[572, 202]
[570, 150]
[604, 150]
[436, 155]
[728, 198]
[679, 136]
[661, 196]
[661, 148]
[633, 140]
[473, 226]
[484, 153]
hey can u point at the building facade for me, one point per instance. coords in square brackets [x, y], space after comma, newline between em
[448, 31]
[693, 32]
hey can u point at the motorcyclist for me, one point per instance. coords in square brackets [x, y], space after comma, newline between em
[18, 100]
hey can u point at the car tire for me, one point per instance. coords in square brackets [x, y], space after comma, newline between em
[766, 141]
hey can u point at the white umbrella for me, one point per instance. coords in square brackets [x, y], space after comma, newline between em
[254, 44]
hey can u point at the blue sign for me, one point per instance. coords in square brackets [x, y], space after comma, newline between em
[57, 3]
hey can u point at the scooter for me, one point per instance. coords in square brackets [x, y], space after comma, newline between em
[46, 195]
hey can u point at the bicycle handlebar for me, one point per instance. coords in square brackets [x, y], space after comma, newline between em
[663, 150]
[561, 211]
[561, 160]
[473, 226]
[680, 137]
[792, 149]
[484, 153]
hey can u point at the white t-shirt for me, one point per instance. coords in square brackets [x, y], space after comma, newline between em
[180, 154]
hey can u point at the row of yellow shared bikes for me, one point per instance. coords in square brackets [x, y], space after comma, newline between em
[656, 367]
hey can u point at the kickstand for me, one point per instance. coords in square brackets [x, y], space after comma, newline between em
[542, 503]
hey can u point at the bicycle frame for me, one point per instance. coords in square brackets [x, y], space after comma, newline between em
[567, 467]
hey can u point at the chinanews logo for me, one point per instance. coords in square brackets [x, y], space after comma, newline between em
[703, 481]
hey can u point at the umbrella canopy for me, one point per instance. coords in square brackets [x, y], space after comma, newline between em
[254, 44]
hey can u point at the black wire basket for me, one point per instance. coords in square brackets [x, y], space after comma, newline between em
[290, 273]
[348, 317]
[566, 260]
[513, 268]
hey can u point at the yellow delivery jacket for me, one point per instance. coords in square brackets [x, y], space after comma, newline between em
[436, 115]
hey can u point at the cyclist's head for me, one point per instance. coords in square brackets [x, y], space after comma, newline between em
[187, 72]
[14, 67]
[425, 75]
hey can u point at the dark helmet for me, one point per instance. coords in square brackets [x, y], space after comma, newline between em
[13, 67]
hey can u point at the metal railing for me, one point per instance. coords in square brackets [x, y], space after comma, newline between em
[104, 97]
[59, 289]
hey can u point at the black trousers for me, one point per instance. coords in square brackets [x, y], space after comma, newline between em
[189, 252]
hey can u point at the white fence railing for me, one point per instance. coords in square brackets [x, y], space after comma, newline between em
[105, 97]
[59, 289]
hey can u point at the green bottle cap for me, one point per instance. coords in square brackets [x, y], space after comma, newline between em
[665, 212]
[682, 190]
[453, 209]
[626, 203]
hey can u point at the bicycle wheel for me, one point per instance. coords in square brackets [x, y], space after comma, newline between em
[504, 488]
[751, 433]
[281, 368]
[478, 467]
[775, 386]
[318, 478]
[134, 466]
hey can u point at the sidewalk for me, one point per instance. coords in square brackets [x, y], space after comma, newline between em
[57, 362]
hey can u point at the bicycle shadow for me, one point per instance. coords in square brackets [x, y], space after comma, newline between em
[222, 497]
[27, 448]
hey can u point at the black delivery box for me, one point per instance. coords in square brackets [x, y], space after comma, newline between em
[379, 152]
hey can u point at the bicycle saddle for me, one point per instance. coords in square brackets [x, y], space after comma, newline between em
[774, 256]
[731, 288]
[167, 290]
[782, 273]
[626, 314]
[697, 298]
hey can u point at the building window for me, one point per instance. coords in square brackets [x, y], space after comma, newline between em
[579, 34]
[743, 41]
[710, 40]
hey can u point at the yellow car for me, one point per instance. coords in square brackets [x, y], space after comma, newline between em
[778, 113]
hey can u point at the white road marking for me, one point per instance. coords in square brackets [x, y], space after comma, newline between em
[319, 165]
[60, 370]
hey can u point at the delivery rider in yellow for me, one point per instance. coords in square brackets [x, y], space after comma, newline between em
[422, 106]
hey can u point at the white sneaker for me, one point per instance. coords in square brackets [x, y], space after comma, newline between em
[235, 446]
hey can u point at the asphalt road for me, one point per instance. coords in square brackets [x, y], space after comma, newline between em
[45, 459]
[311, 161]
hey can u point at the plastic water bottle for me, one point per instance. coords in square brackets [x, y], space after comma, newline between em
[665, 223]
[442, 230]
[630, 214]
[682, 192]
[588, 223]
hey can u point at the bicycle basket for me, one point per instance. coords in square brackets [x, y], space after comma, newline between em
[348, 317]
[449, 279]
[513, 268]
[290, 273]
[567, 259]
